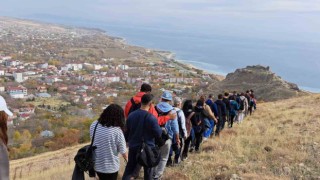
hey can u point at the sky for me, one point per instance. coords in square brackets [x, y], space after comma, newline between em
[293, 25]
[273, 19]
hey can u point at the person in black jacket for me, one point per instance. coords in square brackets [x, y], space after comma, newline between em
[221, 113]
[228, 106]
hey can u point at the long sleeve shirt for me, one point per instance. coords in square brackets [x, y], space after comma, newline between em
[149, 130]
[182, 118]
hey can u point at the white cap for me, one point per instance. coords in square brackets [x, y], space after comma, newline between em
[4, 107]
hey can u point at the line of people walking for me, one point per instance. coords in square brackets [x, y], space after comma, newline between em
[161, 135]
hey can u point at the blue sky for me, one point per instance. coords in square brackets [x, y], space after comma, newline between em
[271, 19]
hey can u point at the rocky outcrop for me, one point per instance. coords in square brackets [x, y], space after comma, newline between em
[266, 84]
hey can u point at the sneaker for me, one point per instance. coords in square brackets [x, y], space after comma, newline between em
[191, 149]
[169, 162]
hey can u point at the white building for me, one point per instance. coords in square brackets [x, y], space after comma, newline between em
[17, 92]
[18, 77]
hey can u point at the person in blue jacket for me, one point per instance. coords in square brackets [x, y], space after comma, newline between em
[234, 108]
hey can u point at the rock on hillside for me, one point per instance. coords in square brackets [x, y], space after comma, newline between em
[266, 84]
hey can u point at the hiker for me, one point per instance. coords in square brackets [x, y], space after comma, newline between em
[4, 157]
[227, 103]
[110, 141]
[254, 99]
[234, 108]
[199, 124]
[150, 131]
[135, 102]
[177, 103]
[221, 114]
[188, 113]
[248, 97]
[171, 129]
[243, 105]
[211, 118]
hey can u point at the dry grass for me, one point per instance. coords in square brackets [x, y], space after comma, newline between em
[280, 141]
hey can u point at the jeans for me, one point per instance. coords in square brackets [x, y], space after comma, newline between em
[209, 131]
[164, 151]
[177, 151]
[132, 164]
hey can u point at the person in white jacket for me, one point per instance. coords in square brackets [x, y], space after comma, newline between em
[177, 103]
[243, 107]
[4, 158]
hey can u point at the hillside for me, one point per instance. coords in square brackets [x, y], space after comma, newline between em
[280, 141]
[265, 83]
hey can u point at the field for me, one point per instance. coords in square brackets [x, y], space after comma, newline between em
[53, 102]
[280, 141]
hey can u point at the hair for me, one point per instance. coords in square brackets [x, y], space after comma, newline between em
[202, 98]
[226, 94]
[187, 107]
[220, 96]
[145, 88]
[234, 92]
[232, 98]
[210, 96]
[247, 91]
[165, 100]
[3, 127]
[146, 99]
[113, 115]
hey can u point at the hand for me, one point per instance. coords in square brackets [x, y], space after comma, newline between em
[178, 143]
[173, 116]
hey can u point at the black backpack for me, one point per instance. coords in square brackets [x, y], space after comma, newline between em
[134, 106]
[147, 156]
[241, 102]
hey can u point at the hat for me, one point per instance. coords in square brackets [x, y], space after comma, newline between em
[167, 95]
[176, 100]
[4, 107]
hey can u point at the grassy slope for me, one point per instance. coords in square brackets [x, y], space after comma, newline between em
[288, 129]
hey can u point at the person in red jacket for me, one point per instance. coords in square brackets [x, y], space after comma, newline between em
[130, 107]
[145, 89]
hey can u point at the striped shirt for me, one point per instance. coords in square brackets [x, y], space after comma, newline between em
[110, 142]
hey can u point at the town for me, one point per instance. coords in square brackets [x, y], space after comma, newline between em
[60, 81]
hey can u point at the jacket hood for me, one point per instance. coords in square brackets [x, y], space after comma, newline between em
[164, 107]
[138, 96]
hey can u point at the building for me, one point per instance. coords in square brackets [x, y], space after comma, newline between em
[43, 65]
[2, 72]
[17, 91]
[18, 77]
[43, 95]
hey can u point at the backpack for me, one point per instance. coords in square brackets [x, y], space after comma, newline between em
[241, 102]
[147, 156]
[85, 158]
[202, 118]
[134, 106]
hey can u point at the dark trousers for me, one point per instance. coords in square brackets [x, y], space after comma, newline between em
[250, 109]
[132, 164]
[174, 149]
[220, 126]
[232, 117]
[106, 176]
[198, 140]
